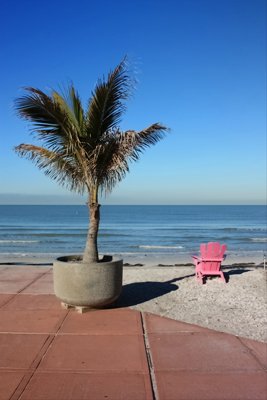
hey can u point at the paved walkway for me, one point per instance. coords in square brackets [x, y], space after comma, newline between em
[48, 353]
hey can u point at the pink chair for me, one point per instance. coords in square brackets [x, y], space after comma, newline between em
[209, 262]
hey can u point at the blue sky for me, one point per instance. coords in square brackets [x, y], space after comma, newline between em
[201, 70]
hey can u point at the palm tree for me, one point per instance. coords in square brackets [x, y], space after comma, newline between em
[84, 149]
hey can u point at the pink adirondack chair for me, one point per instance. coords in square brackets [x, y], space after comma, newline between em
[209, 262]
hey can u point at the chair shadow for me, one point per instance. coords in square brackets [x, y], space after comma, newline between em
[238, 271]
[140, 292]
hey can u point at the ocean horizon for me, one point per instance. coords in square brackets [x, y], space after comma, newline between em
[136, 231]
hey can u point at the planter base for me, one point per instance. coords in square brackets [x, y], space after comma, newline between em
[79, 309]
[87, 285]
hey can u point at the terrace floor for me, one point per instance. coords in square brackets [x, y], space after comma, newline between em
[49, 353]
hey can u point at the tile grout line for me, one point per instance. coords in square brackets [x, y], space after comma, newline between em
[49, 342]
[149, 360]
[21, 290]
[20, 389]
[252, 353]
[18, 392]
[33, 281]
[22, 385]
[13, 295]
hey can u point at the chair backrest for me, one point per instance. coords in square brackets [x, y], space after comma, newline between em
[212, 255]
[212, 250]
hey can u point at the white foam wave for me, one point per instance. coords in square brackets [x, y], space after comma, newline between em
[19, 241]
[160, 247]
[262, 240]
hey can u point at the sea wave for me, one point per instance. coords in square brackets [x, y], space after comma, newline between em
[260, 240]
[242, 229]
[160, 247]
[19, 241]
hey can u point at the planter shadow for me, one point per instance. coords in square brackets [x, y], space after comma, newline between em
[140, 292]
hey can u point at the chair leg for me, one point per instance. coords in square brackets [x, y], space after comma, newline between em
[222, 277]
[199, 277]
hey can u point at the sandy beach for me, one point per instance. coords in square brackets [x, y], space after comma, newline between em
[171, 290]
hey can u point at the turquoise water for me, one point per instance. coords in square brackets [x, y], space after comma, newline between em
[131, 230]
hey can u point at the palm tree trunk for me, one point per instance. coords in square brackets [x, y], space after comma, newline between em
[91, 250]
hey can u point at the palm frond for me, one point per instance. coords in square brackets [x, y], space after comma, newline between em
[107, 102]
[133, 143]
[49, 118]
[55, 165]
[108, 163]
[70, 103]
[54, 122]
[110, 159]
[39, 108]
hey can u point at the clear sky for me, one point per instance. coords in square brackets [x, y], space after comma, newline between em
[201, 70]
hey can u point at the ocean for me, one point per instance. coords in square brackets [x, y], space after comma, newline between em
[131, 231]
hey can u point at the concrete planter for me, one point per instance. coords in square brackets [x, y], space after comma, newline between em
[82, 285]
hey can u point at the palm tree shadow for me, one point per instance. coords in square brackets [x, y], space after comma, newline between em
[140, 292]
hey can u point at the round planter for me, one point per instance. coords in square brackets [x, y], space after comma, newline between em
[87, 285]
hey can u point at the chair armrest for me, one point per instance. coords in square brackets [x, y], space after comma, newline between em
[196, 259]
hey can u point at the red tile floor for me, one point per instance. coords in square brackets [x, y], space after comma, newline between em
[48, 353]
